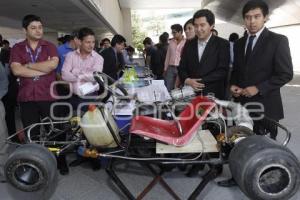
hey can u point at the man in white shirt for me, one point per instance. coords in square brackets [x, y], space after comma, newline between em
[79, 66]
[205, 59]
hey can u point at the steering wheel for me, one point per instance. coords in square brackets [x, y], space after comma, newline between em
[110, 85]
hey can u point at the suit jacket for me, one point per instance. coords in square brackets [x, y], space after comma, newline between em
[158, 60]
[212, 68]
[269, 67]
[111, 65]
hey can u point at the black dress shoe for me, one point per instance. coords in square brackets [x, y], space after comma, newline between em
[195, 170]
[95, 164]
[64, 171]
[167, 168]
[79, 160]
[219, 169]
[2, 179]
[227, 183]
[182, 167]
[62, 165]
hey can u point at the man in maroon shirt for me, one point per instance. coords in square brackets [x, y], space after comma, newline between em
[33, 61]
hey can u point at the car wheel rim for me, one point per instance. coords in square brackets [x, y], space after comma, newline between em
[274, 179]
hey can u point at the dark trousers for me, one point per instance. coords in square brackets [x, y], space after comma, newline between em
[33, 111]
[10, 109]
[227, 85]
[10, 103]
[264, 127]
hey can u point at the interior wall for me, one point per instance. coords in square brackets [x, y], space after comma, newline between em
[225, 29]
[127, 27]
[12, 31]
[51, 37]
[292, 32]
[111, 11]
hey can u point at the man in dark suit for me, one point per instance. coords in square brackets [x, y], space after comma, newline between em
[113, 57]
[262, 65]
[205, 60]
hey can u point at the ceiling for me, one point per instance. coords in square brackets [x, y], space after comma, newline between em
[61, 15]
[67, 15]
[283, 12]
[159, 4]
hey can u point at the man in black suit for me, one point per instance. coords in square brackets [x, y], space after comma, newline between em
[262, 65]
[205, 60]
[113, 57]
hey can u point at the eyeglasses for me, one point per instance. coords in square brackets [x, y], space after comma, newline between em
[174, 32]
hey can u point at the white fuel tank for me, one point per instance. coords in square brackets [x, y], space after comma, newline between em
[98, 125]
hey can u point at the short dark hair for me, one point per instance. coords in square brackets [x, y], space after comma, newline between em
[117, 39]
[233, 37]
[177, 27]
[105, 39]
[163, 38]
[214, 30]
[61, 39]
[190, 21]
[28, 19]
[210, 17]
[147, 40]
[68, 38]
[166, 34]
[5, 42]
[74, 33]
[83, 32]
[130, 49]
[253, 4]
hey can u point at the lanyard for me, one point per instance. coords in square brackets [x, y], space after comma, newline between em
[33, 58]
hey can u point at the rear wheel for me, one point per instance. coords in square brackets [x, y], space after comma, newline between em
[263, 169]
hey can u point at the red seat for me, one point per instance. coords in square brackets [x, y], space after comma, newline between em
[168, 131]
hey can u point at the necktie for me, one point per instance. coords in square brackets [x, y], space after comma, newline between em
[249, 47]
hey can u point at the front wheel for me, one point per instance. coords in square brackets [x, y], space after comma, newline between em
[31, 168]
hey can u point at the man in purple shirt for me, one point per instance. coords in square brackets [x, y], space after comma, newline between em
[34, 61]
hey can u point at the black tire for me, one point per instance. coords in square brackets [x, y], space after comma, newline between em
[31, 168]
[263, 169]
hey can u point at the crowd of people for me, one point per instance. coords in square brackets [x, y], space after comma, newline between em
[250, 69]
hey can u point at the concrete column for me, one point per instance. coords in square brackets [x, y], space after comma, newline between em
[292, 33]
[127, 28]
[51, 36]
